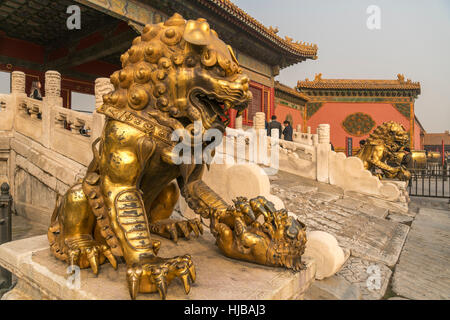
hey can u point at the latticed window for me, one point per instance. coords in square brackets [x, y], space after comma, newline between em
[266, 102]
[255, 105]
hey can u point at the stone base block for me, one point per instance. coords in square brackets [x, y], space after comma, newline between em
[42, 276]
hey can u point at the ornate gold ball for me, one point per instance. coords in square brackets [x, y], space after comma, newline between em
[160, 89]
[160, 74]
[162, 102]
[164, 63]
[137, 97]
[142, 74]
[170, 33]
[125, 78]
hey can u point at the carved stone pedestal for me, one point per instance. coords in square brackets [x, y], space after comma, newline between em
[41, 276]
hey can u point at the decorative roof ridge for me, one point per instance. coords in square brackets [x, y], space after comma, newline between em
[307, 50]
[282, 87]
[320, 83]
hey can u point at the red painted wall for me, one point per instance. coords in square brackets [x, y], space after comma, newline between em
[335, 113]
[266, 102]
[281, 111]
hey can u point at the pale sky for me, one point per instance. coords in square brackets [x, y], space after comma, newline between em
[414, 40]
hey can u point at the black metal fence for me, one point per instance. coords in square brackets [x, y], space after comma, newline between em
[434, 181]
[5, 229]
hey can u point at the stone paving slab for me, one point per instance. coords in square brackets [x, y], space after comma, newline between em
[333, 288]
[325, 197]
[358, 279]
[366, 236]
[400, 218]
[304, 189]
[374, 211]
[370, 277]
[42, 276]
[423, 270]
[399, 207]
[348, 203]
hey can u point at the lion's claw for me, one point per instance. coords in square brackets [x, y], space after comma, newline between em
[134, 280]
[173, 229]
[156, 276]
[86, 252]
[279, 241]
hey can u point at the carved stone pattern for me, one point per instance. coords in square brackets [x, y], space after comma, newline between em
[358, 124]
[238, 122]
[260, 123]
[323, 131]
[18, 82]
[52, 84]
[102, 87]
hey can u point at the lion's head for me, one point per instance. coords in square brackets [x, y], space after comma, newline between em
[179, 72]
[391, 134]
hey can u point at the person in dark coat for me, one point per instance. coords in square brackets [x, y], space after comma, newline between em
[288, 131]
[36, 90]
[274, 124]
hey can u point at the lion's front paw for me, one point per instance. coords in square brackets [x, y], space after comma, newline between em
[85, 252]
[278, 241]
[156, 275]
[173, 229]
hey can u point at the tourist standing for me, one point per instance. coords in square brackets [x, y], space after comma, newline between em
[36, 90]
[274, 124]
[288, 131]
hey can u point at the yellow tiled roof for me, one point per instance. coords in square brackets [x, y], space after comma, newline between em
[319, 83]
[305, 50]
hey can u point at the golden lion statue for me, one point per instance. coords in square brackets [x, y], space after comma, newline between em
[176, 73]
[382, 146]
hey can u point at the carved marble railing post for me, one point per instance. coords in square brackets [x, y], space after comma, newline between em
[52, 84]
[260, 121]
[259, 125]
[323, 148]
[10, 103]
[238, 123]
[18, 83]
[323, 130]
[102, 87]
[51, 100]
[17, 90]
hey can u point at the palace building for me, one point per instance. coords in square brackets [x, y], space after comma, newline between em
[353, 108]
[34, 38]
[434, 141]
[290, 105]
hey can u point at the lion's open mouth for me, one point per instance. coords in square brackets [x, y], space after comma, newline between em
[214, 108]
